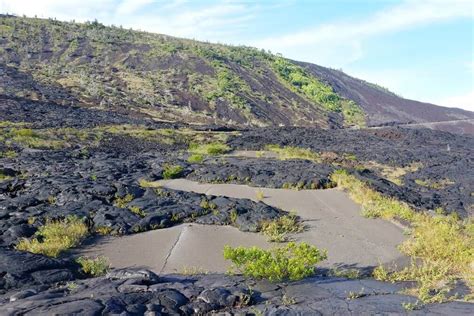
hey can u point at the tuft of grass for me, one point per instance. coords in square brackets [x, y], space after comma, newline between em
[408, 306]
[233, 216]
[441, 247]
[4, 177]
[195, 158]
[259, 195]
[94, 266]
[211, 149]
[290, 262]
[136, 210]
[55, 237]
[172, 171]
[149, 184]
[278, 230]
[122, 201]
[346, 273]
[192, 271]
[288, 300]
[355, 295]
[291, 152]
[103, 230]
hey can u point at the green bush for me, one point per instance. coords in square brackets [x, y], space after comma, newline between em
[55, 237]
[94, 267]
[172, 171]
[290, 262]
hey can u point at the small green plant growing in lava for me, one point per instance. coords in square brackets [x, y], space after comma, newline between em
[293, 261]
[94, 267]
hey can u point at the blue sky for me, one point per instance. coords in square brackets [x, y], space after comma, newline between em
[419, 49]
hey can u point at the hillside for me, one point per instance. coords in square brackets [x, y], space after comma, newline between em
[171, 79]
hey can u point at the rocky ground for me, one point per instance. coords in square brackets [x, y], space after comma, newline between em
[47, 171]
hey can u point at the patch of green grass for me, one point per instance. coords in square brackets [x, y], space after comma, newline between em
[122, 201]
[441, 247]
[55, 237]
[172, 171]
[291, 152]
[278, 230]
[290, 262]
[8, 154]
[195, 158]
[94, 267]
[211, 149]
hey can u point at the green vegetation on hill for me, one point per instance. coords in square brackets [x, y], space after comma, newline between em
[322, 94]
[164, 77]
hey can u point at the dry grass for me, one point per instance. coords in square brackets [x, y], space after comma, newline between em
[291, 152]
[393, 173]
[441, 247]
[435, 184]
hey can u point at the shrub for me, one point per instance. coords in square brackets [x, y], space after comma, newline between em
[55, 237]
[277, 230]
[292, 262]
[212, 149]
[172, 171]
[94, 267]
[441, 247]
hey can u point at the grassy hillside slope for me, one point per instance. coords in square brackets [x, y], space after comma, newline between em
[170, 79]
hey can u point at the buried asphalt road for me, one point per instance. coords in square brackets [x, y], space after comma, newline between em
[332, 220]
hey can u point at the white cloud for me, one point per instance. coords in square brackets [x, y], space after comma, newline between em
[131, 6]
[208, 21]
[334, 37]
[463, 101]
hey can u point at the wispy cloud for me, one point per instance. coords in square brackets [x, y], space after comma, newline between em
[327, 39]
[206, 21]
[463, 101]
[131, 6]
